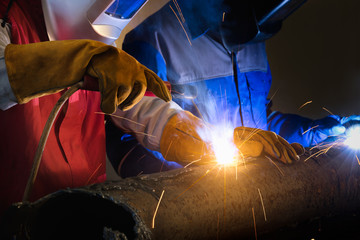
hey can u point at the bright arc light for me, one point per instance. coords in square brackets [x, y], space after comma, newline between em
[221, 139]
[225, 151]
[353, 137]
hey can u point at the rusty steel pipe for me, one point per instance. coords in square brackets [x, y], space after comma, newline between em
[208, 202]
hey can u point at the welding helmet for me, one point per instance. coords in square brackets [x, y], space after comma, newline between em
[101, 20]
[238, 22]
[249, 21]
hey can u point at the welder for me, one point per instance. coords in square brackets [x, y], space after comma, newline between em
[213, 54]
[34, 74]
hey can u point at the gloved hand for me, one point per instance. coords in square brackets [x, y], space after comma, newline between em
[253, 142]
[329, 126]
[350, 121]
[39, 69]
[352, 132]
[180, 142]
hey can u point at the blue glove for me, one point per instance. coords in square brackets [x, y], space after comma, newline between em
[352, 133]
[350, 121]
[327, 127]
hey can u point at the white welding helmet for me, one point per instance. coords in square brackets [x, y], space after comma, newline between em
[101, 20]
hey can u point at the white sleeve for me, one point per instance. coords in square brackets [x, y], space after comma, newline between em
[146, 120]
[7, 97]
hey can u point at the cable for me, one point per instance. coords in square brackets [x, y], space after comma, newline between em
[44, 137]
[236, 80]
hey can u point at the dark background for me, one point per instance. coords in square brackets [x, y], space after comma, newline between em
[316, 57]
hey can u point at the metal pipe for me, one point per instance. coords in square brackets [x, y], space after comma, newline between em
[207, 202]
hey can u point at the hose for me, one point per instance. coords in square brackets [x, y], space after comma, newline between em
[44, 137]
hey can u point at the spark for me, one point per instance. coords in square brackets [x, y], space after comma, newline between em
[324, 150]
[318, 145]
[146, 134]
[127, 119]
[223, 17]
[282, 173]
[218, 171]
[357, 158]
[267, 107]
[236, 174]
[206, 173]
[190, 163]
[125, 156]
[224, 193]
[181, 25]
[157, 207]
[220, 138]
[310, 129]
[262, 203]
[252, 133]
[353, 137]
[243, 159]
[162, 166]
[188, 134]
[308, 102]
[167, 150]
[179, 10]
[324, 108]
[312, 155]
[139, 133]
[272, 97]
[87, 182]
[218, 227]
[197, 109]
[253, 214]
[327, 148]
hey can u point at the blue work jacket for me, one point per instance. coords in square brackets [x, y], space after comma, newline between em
[201, 71]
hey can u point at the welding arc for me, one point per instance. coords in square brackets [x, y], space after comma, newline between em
[44, 137]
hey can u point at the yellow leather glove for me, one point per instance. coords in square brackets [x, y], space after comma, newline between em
[180, 141]
[253, 142]
[39, 69]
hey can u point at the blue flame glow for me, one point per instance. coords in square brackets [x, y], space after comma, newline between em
[353, 137]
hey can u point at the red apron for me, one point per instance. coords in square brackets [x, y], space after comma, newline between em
[74, 154]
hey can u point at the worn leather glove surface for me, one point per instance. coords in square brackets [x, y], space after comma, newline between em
[39, 69]
[180, 141]
[253, 142]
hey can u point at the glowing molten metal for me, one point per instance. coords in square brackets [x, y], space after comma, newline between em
[221, 139]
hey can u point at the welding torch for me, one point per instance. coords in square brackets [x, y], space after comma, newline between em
[352, 132]
[351, 135]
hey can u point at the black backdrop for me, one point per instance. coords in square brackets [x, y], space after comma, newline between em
[316, 57]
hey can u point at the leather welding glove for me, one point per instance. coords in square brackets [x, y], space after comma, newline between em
[253, 142]
[39, 69]
[180, 141]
